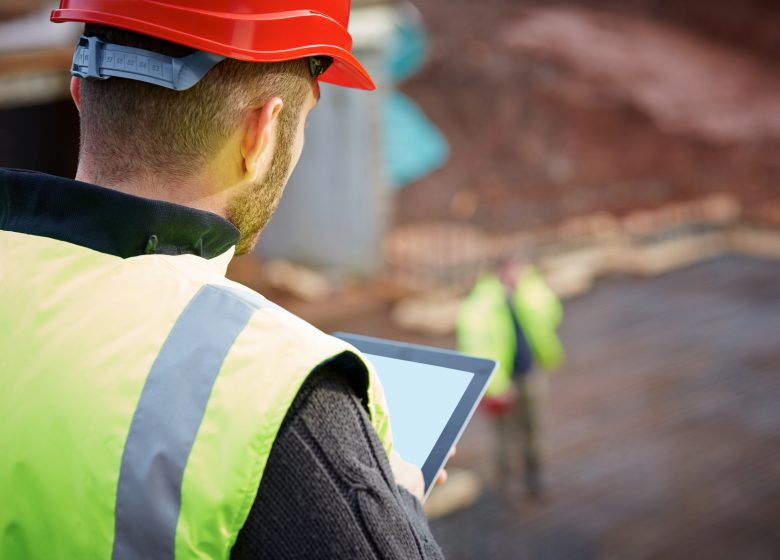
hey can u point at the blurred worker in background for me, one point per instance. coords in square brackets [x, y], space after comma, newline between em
[512, 317]
[151, 407]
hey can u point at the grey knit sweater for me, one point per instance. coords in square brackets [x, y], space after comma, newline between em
[328, 491]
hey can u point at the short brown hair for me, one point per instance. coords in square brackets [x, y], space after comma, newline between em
[127, 126]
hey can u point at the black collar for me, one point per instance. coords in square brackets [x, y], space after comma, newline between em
[106, 220]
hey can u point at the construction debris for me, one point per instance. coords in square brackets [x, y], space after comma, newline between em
[297, 280]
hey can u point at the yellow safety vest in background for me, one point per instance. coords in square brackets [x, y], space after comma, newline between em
[140, 400]
[485, 326]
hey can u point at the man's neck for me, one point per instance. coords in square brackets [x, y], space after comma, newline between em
[192, 193]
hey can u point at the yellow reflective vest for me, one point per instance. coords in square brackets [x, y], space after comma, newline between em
[485, 326]
[140, 400]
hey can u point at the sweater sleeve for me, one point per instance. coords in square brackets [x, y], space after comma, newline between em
[328, 491]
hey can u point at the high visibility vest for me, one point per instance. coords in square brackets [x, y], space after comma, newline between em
[140, 399]
[485, 327]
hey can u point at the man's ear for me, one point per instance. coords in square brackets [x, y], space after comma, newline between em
[257, 144]
[75, 91]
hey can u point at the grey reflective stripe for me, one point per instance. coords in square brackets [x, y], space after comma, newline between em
[168, 417]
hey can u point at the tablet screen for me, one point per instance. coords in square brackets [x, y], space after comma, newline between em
[419, 416]
[431, 394]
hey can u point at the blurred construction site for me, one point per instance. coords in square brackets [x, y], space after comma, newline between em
[629, 149]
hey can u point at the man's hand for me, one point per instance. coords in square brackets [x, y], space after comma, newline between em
[441, 478]
[407, 475]
[411, 477]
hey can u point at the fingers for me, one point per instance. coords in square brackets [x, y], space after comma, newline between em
[410, 477]
[441, 478]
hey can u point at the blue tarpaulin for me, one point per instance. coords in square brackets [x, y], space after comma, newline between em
[412, 145]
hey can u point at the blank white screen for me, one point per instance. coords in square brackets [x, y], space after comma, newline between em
[420, 399]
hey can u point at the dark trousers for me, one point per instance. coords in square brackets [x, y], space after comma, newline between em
[517, 435]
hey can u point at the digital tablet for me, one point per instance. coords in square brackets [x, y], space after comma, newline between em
[431, 394]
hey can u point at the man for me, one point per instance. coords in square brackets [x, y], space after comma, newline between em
[512, 317]
[152, 408]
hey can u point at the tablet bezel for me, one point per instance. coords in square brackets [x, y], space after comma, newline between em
[482, 369]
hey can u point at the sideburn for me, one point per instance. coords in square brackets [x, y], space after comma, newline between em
[252, 209]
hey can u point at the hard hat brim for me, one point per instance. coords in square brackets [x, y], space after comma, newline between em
[346, 71]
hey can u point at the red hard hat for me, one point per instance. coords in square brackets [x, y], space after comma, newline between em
[256, 31]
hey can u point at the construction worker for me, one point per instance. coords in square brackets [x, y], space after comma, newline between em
[512, 317]
[151, 408]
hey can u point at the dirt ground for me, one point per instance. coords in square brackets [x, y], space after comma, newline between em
[662, 433]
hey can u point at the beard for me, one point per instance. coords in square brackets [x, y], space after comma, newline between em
[251, 210]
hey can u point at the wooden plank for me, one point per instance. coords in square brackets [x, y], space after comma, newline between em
[38, 61]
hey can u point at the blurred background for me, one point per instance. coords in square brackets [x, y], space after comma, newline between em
[629, 149]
